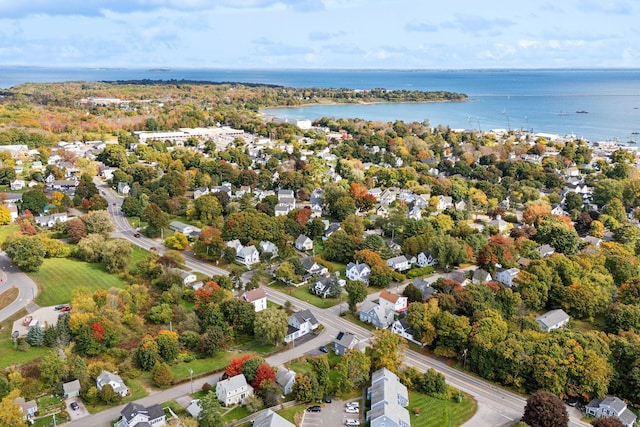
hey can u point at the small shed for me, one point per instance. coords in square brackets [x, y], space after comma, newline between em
[71, 389]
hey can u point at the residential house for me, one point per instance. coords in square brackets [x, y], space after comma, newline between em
[29, 408]
[506, 275]
[300, 323]
[268, 247]
[611, 406]
[194, 408]
[17, 184]
[553, 319]
[426, 259]
[183, 228]
[313, 268]
[399, 263]
[481, 276]
[444, 202]
[233, 390]
[114, 381]
[135, 414]
[331, 228]
[402, 328]
[375, 314]
[268, 418]
[303, 243]
[345, 341]
[200, 191]
[500, 224]
[248, 256]
[457, 276]
[282, 209]
[257, 297]
[425, 287]
[395, 303]
[285, 378]
[546, 250]
[71, 389]
[186, 276]
[51, 220]
[389, 399]
[324, 286]
[414, 213]
[123, 188]
[358, 271]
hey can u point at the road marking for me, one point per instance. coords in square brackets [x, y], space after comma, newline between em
[509, 418]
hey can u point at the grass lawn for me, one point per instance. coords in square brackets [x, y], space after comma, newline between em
[200, 366]
[439, 413]
[290, 413]
[353, 318]
[302, 293]
[8, 230]
[334, 266]
[59, 277]
[8, 296]
[136, 255]
[237, 413]
[9, 356]
[49, 404]
[46, 421]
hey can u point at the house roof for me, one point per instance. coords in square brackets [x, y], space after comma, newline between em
[233, 383]
[284, 375]
[253, 294]
[305, 316]
[552, 318]
[301, 239]
[346, 339]
[268, 418]
[71, 387]
[359, 267]
[386, 295]
[132, 409]
[481, 275]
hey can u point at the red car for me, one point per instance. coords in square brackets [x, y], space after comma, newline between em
[65, 309]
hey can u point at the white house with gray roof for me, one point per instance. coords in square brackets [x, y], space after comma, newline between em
[114, 381]
[233, 390]
[268, 418]
[300, 323]
[389, 399]
[358, 271]
[611, 406]
[285, 378]
[553, 319]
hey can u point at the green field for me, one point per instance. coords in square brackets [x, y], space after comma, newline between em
[235, 414]
[436, 412]
[7, 230]
[59, 277]
[9, 356]
[210, 364]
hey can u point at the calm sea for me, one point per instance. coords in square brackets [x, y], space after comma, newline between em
[537, 100]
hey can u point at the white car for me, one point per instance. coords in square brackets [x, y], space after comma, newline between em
[351, 422]
[352, 404]
[352, 410]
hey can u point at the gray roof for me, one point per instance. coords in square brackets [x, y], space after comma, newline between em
[233, 383]
[301, 239]
[388, 396]
[481, 275]
[71, 387]
[614, 403]
[268, 418]
[132, 409]
[305, 316]
[552, 318]
[346, 339]
[284, 375]
[105, 377]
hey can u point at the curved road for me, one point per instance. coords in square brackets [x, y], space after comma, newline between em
[496, 406]
[12, 277]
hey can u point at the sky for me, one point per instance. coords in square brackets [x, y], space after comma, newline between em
[321, 34]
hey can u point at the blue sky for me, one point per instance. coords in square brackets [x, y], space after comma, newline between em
[392, 34]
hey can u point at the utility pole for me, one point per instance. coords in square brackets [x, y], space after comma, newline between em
[191, 378]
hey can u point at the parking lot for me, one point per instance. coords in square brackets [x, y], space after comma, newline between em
[331, 415]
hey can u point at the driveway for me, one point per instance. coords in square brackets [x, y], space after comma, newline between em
[81, 412]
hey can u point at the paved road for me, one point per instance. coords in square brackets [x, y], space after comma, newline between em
[12, 277]
[496, 407]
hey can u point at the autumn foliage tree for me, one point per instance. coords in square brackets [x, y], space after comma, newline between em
[235, 366]
[264, 374]
[545, 409]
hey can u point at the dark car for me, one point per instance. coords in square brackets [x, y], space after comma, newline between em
[324, 349]
[327, 399]
[315, 408]
[74, 406]
[136, 234]
[59, 307]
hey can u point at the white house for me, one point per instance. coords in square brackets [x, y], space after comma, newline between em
[506, 276]
[51, 220]
[248, 255]
[301, 323]
[186, 276]
[403, 329]
[257, 297]
[183, 228]
[303, 243]
[17, 184]
[71, 389]
[233, 390]
[481, 276]
[29, 408]
[270, 247]
[359, 272]
[135, 414]
[123, 188]
[444, 202]
[426, 259]
[611, 406]
[399, 263]
[553, 319]
[114, 381]
[285, 378]
[393, 302]
[313, 268]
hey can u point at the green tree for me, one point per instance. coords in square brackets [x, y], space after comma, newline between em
[386, 350]
[161, 313]
[353, 225]
[271, 325]
[26, 252]
[211, 411]
[343, 207]
[250, 368]
[99, 222]
[168, 345]
[286, 272]
[340, 247]
[147, 353]
[155, 218]
[161, 374]
[33, 201]
[559, 235]
[35, 336]
[116, 255]
[89, 249]
[355, 366]
[177, 241]
[357, 292]
[302, 389]
[109, 396]
[52, 369]
[10, 412]
[209, 244]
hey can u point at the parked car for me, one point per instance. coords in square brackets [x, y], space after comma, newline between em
[74, 406]
[327, 399]
[59, 306]
[27, 320]
[324, 349]
[65, 309]
[351, 422]
[352, 410]
[315, 408]
[353, 404]
[136, 234]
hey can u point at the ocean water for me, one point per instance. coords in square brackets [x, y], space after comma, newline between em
[536, 100]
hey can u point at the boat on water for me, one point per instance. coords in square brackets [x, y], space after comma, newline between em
[582, 112]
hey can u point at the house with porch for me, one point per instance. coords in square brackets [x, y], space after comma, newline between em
[137, 415]
[233, 390]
